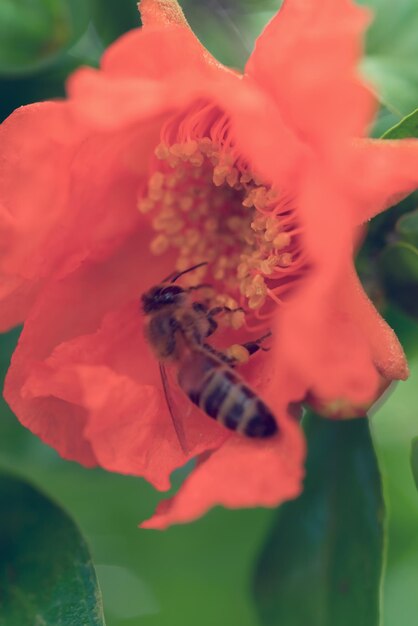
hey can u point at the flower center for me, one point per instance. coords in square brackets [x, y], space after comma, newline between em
[208, 205]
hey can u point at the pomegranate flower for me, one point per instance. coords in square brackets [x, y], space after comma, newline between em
[163, 159]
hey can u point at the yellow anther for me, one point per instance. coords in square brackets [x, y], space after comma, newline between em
[191, 236]
[246, 177]
[189, 148]
[237, 319]
[272, 196]
[206, 146]
[238, 352]
[177, 149]
[167, 213]
[211, 224]
[242, 270]
[271, 233]
[249, 199]
[173, 179]
[173, 226]
[197, 160]
[156, 181]
[145, 205]
[271, 222]
[285, 259]
[282, 240]
[155, 194]
[173, 160]
[169, 198]
[220, 173]
[249, 238]
[159, 244]
[231, 303]
[255, 302]
[232, 177]
[259, 223]
[259, 285]
[185, 203]
[222, 261]
[208, 208]
[260, 198]
[245, 285]
[182, 263]
[267, 265]
[162, 151]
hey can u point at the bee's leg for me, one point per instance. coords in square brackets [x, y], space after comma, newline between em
[256, 345]
[201, 286]
[241, 353]
[223, 309]
[200, 307]
[223, 356]
[213, 324]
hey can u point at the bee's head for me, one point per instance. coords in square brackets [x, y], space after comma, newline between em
[162, 296]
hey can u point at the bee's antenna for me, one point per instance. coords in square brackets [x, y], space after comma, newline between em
[175, 276]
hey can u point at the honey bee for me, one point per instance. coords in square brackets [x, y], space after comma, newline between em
[177, 329]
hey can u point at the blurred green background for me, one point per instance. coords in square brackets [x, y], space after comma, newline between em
[201, 573]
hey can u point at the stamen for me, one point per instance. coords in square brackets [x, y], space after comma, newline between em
[208, 204]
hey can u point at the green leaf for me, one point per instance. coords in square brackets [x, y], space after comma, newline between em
[407, 227]
[407, 127]
[322, 563]
[46, 574]
[392, 52]
[414, 459]
[398, 268]
[35, 33]
[112, 18]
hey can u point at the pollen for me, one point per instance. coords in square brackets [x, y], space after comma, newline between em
[205, 201]
[238, 353]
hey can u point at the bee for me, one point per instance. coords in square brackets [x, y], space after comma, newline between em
[177, 329]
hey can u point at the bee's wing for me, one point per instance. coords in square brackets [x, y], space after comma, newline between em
[171, 404]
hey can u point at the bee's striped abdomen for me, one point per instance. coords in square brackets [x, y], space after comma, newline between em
[220, 392]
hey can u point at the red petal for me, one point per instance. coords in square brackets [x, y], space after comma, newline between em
[241, 473]
[318, 336]
[157, 53]
[37, 146]
[84, 187]
[383, 172]
[306, 59]
[70, 373]
[68, 308]
[387, 353]
[127, 424]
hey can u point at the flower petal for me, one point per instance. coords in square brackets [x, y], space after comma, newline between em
[157, 53]
[74, 365]
[85, 187]
[383, 172]
[315, 335]
[165, 45]
[67, 308]
[306, 59]
[241, 473]
[387, 353]
[32, 198]
[127, 424]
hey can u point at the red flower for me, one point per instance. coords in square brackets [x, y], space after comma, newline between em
[266, 175]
